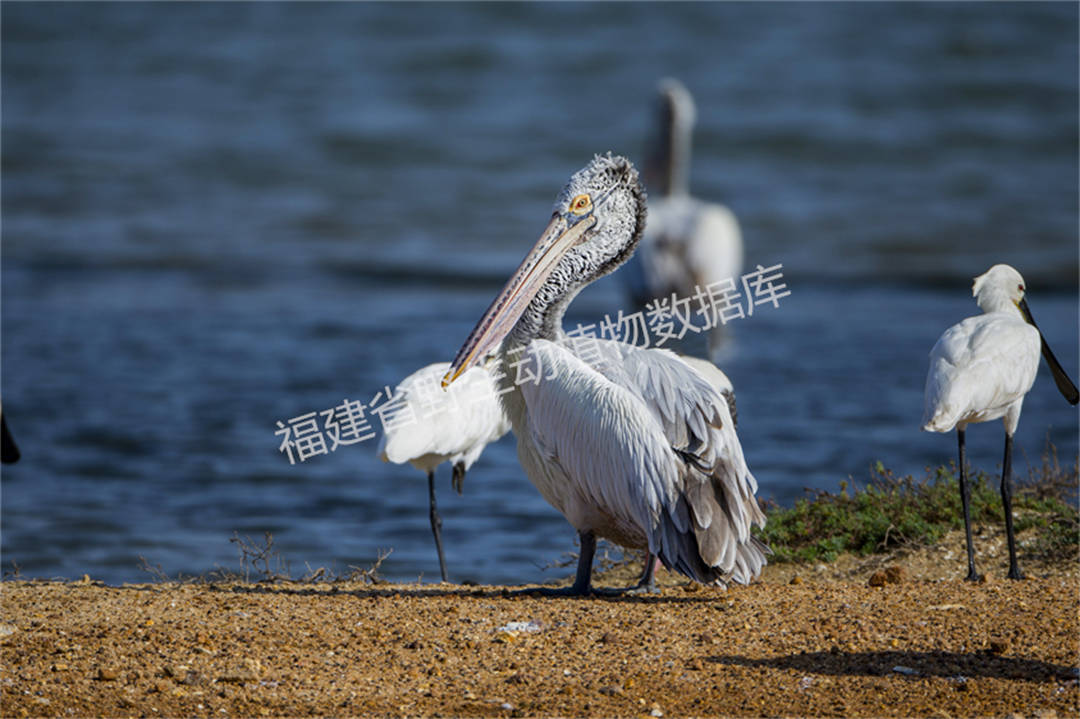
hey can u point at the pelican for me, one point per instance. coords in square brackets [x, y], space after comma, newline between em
[980, 370]
[688, 244]
[453, 426]
[629, 444]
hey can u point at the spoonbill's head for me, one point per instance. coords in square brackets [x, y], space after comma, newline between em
[1001, 288]
[595, 225]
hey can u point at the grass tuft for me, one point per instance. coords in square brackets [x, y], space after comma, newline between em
[891, 512]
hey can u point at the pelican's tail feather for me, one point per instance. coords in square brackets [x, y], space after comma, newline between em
[717, 547]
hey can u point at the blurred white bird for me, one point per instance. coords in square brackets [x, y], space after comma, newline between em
[688, 243]
[443, 426]
[980, 370]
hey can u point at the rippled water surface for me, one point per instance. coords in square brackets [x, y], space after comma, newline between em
[216, 217]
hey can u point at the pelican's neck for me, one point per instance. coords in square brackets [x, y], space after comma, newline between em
[676, 177]
[542, 319]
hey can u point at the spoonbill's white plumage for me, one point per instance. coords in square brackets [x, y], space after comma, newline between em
[688, 243]
[980, 370]
[630, 444]
[439, 426]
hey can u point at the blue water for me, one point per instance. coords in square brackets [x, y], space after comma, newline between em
[216, 217]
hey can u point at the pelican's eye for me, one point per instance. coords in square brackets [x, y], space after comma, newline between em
[581, 204]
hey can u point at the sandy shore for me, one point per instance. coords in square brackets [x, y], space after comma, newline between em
[828, 644]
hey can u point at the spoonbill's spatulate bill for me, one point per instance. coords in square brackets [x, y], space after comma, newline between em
[437, 426]
[687, 243]
[980, 370]
[9, 451]
[629, 444]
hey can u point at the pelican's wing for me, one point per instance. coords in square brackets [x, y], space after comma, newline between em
[644, 436]
[599, 449]
[715, 247]
[978, 368]
[715, 482]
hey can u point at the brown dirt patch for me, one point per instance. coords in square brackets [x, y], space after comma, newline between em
[827, 645]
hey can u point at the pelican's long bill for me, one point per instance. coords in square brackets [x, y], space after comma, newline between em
[1064, 384]
[558, 237]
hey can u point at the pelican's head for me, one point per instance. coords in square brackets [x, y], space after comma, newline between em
[999, 289]
[597, 222]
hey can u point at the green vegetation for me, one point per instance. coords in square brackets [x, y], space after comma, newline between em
[891, 511]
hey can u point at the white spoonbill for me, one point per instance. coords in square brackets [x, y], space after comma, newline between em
[629, 444]
[687, 243]
[446, 426]
[980, 369]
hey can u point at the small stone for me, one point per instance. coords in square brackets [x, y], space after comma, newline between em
[1045, 714]
[106, 674]
[998, 646]
[795, 579]
[248, 672]
[878, 579]
[894, 574]
[517, 678]
[415, 644]
[695, 664]
[655, 711]
[507, 706]
[612, 690]
[505, 637]
[608, 638]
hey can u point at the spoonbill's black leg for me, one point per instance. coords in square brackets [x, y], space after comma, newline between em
[965, 500]
[1006, 501]
[436, 524]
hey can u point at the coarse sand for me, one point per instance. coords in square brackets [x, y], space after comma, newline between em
[902, 635]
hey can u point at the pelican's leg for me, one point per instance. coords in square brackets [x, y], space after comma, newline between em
[965, 500]
[647, 583]
[457, 479]
[436, 523]
[583, 580]
[1006, 501]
